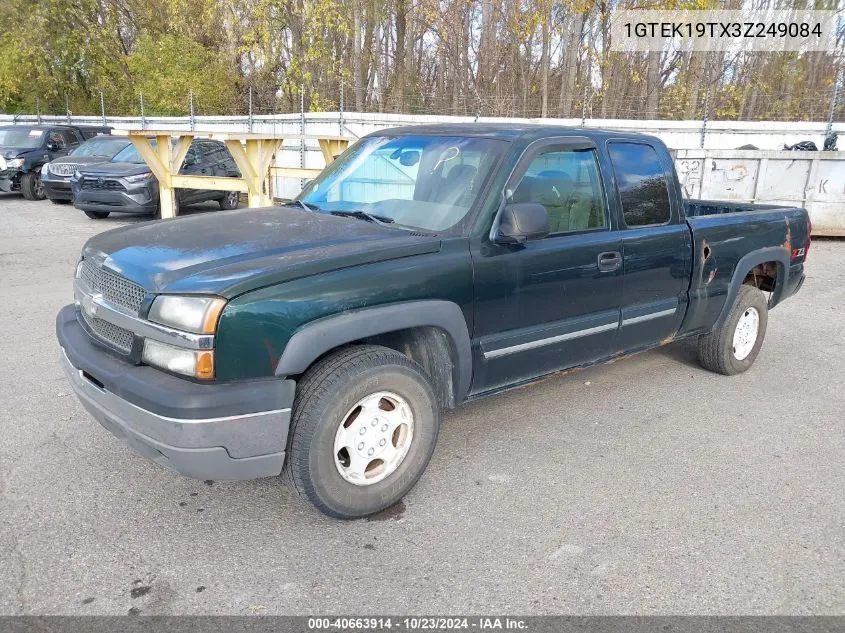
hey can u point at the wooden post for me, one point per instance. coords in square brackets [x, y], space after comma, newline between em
[165, 186]
[161, 162]
[252, 180]
[332, 148]
[256, 190]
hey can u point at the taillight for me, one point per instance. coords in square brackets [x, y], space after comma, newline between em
[809, 237]
[800, 254]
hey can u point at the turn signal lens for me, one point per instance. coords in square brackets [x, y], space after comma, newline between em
[212, 314]
[193, 363]
[205, 365]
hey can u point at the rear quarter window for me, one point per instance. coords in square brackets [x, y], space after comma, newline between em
[641, 182]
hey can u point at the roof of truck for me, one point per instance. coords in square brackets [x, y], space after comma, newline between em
[509, 131]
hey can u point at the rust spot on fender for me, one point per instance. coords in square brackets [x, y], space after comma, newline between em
[787, 243]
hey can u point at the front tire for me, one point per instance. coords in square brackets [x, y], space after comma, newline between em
[97, 215]
[31, 186]
[733, 346]
[364, 425]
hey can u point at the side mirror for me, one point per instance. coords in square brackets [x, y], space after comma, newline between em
[52, 146]
[521, 222]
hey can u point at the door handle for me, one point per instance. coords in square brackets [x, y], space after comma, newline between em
[609, 261]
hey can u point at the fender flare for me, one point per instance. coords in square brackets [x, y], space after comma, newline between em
[775, 254]
[314, 339]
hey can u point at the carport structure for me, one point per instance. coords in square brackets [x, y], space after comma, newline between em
[253, 154]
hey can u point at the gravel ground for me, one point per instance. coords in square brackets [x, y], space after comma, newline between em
[647, 486]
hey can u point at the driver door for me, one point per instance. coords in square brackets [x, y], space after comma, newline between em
[555, 302]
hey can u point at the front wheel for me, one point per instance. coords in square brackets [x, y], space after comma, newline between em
[31, 186]
[364, 425]
[733, 346]
[97, 215]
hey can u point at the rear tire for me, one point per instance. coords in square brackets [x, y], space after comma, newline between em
[31, 186]
[97, 215]
[364, 426]
[732, 347]
[231, 200]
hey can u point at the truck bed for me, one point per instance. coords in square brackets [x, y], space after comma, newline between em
[723, 234]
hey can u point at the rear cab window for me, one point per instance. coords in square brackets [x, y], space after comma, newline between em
[641, 183]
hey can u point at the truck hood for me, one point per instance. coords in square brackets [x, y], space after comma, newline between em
[15, 152]
[114, 170]
[80, 160]
[229, 253]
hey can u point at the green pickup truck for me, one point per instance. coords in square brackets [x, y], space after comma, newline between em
[426, 267]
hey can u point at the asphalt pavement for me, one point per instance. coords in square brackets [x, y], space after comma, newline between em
[646, 486]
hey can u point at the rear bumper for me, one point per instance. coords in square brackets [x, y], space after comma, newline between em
[223, 431]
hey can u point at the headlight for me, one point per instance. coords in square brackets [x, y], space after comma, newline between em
[78, 272]
[138, 177]
[197, 364]
[77, 175]
[14, 162]
[191, 314]
[44, 169]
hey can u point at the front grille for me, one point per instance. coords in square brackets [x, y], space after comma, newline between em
[114, 288]
[109, 332]
[63, 169]
[101, 184]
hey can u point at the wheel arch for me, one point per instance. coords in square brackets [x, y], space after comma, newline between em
[773, 255]
[421, 330]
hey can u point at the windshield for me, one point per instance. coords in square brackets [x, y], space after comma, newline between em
[20, 137]
[100, 147]
[425, 182]
[130, 155]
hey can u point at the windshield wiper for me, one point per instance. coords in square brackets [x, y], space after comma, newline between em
[308, 206]
[363, 215]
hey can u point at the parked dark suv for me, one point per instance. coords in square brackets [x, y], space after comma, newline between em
[56, 175]
[126, 184]
[25, 148]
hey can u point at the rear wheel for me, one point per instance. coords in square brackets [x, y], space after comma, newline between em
[733, 346]
[364, 425]
[31, 186]
[230, 201]
[97, 215]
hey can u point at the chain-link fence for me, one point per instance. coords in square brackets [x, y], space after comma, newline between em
[710, 103]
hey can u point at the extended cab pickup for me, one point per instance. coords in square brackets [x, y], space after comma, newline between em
[427, 266]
